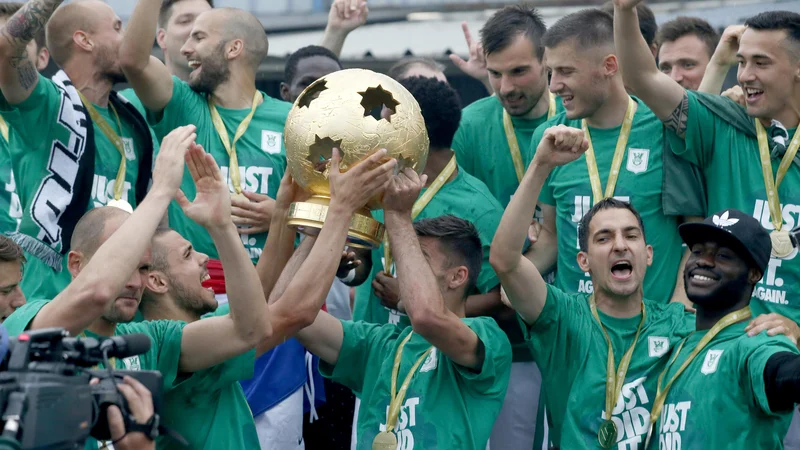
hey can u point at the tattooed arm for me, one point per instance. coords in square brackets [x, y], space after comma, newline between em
[18, 74]
[661, 94]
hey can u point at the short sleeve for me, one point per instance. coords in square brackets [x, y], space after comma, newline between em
[698, 144]
[558, 328]
[487, 226]
[758, 350]
[166, 336]
[461, 146]
[496, 368]
[361, 343]
[19, 320]
[29, 118]
[177, 111]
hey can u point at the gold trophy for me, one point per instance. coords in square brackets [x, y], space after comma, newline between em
[359, 112]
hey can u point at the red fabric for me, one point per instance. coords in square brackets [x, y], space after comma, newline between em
[217, 280]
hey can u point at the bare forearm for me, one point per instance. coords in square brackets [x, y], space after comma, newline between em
[714, 78]
[19, 75]
[487, 304]
[245, 294]
[544, 253]
[277, 252]
[333, 40]
[139, 35]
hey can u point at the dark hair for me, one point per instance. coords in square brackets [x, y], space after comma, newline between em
[608, 203]
[440, 107]
[10, 251]
[590, 27]
[689, 26]
[508, 23]
[165, 12]
[400, 68]
[8, 9]
[777, 20]
[460, 241]
[159, 254]
[290, 71]
[647, 20]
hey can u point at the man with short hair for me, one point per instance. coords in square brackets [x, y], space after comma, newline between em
[239, 125]
[417, 66]
[110, 264]
[12, 261]
[453, 366]
[10, 207]
[600, 352]
[68, 167]
[175, 21]
[686, 45]
[625, 161]
[305, 66]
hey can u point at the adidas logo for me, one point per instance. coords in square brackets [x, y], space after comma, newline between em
[723, 220]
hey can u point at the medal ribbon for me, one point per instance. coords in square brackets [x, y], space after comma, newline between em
[511, 137]
[614, 381]
[233, 170]
[398, 397]
[105, 127]
[770, 183]
[661, 395]
[4, 129]
[419, 205]
[616, 163]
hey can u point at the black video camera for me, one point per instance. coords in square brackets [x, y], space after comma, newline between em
[46, 401]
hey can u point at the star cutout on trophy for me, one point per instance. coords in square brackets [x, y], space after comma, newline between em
[375, 99]
[321, 151]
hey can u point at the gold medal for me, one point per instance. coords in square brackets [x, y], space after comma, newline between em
[781, 243]
[607, 435]
[239, 197]
[385, 440]
[121, 204]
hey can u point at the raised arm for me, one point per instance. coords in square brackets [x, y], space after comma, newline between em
[211, 341]
[722, 60]
[309, 280]
[344, 17]
[149, 77]
[18, 76]
[106, 273]
[521, 280]
[662, 94]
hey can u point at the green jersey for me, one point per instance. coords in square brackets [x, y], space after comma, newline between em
[163, 356]
[725, 153]
[260, 151]
[10, 208]
[569, 190]
[446, 405]
[482, 148]
[738, 416]
[209, 408]
[41, 147]
[571, 350]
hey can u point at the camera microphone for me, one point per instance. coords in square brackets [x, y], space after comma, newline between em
[126, 345]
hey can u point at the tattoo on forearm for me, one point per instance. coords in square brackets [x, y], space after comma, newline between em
[20, 29]
[677, 121]
[26, 72]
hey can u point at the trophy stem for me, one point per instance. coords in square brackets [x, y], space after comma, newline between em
[308, 218]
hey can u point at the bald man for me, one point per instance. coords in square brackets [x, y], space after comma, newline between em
[224, 50]
[68, 167]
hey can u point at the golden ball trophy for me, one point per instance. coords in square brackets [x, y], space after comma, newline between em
[359, 112]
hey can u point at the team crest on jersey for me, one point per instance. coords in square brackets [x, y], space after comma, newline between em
[430, 362]
[132, 363]
[127, 144]
[711, 362]
[658, 346]
[638, 159]
[271, 141]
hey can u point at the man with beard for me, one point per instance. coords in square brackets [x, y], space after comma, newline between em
[599, 354]
[110, 263]
[758, 373]
[68, 167]
[237, 124]
[10, 208]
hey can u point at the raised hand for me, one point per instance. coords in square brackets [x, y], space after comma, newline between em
[211, 207]
[289, 192]
[736, 94]
[352, 189]
[476, 65]
[168, 171]
[560, 145]
[347, 15]
[627, 4]
[728, 47]
[403, 191]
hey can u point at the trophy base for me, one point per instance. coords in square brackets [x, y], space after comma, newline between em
[308, 218]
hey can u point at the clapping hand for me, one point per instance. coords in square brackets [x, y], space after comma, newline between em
[211, 207]
[168, 170]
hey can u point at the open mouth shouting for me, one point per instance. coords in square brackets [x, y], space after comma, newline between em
[204, 282]
[622, 270]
